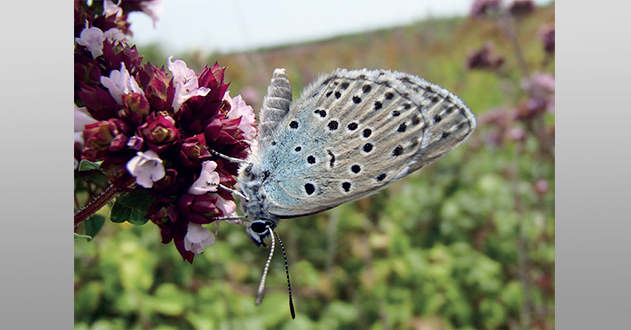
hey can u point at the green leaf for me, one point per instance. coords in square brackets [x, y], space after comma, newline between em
[86, 165]
[77, 236]
[137, 199]
[121, 213]
[94, 224]
[132, 207]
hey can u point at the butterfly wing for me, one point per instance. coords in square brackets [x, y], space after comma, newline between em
[353, 132]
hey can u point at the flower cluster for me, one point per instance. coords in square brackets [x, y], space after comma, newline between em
[538, 86]
[484, 58]
[521, 8]
[494, 8]
[482, 8]
[156, 131]
[540, 90]
[547, 36]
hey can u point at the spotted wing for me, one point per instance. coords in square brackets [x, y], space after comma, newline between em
[352, 133]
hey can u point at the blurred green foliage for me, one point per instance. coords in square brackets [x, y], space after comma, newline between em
[465, 243]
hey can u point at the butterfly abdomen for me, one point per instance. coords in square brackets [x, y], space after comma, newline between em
[275, 105]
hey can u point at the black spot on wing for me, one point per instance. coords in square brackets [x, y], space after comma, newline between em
[309, 188]
[397, 151]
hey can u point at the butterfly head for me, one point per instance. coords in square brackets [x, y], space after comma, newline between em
[258, 230]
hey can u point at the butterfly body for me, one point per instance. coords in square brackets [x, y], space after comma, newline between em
[350, 134]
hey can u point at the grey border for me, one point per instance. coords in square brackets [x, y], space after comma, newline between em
[36, 244]
[593, 166]
[592, 197]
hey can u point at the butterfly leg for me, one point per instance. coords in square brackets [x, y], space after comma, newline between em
[234, 191]
[240, 218]
[228, 158]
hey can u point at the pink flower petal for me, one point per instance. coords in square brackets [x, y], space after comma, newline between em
[208, 179]
[147, 168]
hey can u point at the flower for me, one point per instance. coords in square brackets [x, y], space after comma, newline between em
[120, 83]
[521, 8]
[114, 34]
[135, 142]
[193, 150]
[484, 59]
[541, 186]
[481, 8]
[208, 180]
[250, 95]
[92, 38]
[185, 82]
[81, 118]
[541, 88]
[539, 82]
[238, 109]
[103, 137]
[159, 132]
[146, 167]
[547, 36]
[197, 238]
[110, 8]
[229, 208]
[198, 208]
[153, 9]
[516, 134]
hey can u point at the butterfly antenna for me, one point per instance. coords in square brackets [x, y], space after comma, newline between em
[291, 302]
[259, 294]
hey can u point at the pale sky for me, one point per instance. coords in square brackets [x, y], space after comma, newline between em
[234, 25]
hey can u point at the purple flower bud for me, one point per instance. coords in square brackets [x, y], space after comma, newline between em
[97, 139]
[541, 186]
[169, 184]
[193, 150]
[529, 109]
[135, 142]
[159, 91]
[198, 208]
[99, 102]
[497, 117]
[117, 172]
[483, 59]
[137, 104]
[158, 212]
[547, 36]
[482, 8]
[159, 132]
[516, 134]
[118, 143]
[521, 8]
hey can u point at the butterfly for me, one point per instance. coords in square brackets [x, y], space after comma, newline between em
[350, 134]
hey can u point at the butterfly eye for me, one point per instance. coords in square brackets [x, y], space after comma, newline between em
[258, 227]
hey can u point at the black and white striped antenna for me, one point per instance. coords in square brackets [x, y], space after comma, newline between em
[259, 295]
